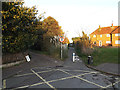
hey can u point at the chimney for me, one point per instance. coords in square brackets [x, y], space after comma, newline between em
[112, 23]
[99, 26]
[99, 29]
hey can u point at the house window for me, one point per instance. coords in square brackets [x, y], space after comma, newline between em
[108, 41]
[117, 42]
[100, 35]
[117, 34]
[94, 35]
[108, 35]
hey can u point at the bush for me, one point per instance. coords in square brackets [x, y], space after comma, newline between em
[87, 51]
[56, 52]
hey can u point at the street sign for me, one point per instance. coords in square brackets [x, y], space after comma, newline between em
[28, 58]
[61, 39]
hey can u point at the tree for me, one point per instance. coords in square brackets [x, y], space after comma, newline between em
[83, 44]
[17, 27]
[66, 41]
[52, 29]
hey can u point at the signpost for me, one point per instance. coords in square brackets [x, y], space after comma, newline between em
[61, 39]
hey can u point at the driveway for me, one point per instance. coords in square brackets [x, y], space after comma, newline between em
[59, 75]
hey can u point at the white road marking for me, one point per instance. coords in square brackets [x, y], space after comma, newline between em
[47, 82]
[43, 79]
[113, 84]
[83, 79]
[52, 70]
[78, 70]
[33, 74]
[52, 81]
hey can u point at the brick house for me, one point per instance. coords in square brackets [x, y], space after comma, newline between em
[105, 36]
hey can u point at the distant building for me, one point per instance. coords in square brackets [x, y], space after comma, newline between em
[105, 36]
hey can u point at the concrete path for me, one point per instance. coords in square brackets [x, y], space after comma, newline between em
[109, 67]
[66, 75]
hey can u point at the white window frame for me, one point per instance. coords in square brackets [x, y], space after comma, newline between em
[108, 42]
[100, 35]
[108, 35]
[117, 34]
[117, 42]
[94, 35]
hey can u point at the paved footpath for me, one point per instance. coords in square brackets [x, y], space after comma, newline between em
[68, 75]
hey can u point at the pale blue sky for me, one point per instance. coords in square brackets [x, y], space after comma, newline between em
[77, 15]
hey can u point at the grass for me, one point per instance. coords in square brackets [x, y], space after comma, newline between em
[102, 55]
[40, 52]
[54, 53]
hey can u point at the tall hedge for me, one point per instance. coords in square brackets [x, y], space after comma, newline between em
[17, 27]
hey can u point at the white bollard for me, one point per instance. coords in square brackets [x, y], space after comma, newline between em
[73, 57]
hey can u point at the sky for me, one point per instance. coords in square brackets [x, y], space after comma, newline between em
[76, 16]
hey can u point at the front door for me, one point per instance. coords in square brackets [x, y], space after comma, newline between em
[100, 43]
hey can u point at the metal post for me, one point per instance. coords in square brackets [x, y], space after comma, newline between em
[61, 50]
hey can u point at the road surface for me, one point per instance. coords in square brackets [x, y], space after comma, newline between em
[68, 75]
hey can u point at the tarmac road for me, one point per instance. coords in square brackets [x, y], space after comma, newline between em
[69, 75]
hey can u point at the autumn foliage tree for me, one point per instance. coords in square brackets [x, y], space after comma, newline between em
[52, 29]
[22, 30]
[66, 41]
[83, 44]
[17, 25]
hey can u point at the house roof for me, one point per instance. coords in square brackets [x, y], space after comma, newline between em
[117, 30]
[107, 30]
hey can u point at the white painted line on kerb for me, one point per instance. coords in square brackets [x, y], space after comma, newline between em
[43, 79]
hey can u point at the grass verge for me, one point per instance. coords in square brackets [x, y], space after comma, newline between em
[101, 55]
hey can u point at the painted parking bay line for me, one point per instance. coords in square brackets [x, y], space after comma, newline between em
[43, 79]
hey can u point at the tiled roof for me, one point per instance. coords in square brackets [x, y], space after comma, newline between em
[117, 30]
[105, 30]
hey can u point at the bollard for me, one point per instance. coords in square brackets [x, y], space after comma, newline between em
[73, 57]
[90, 59]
